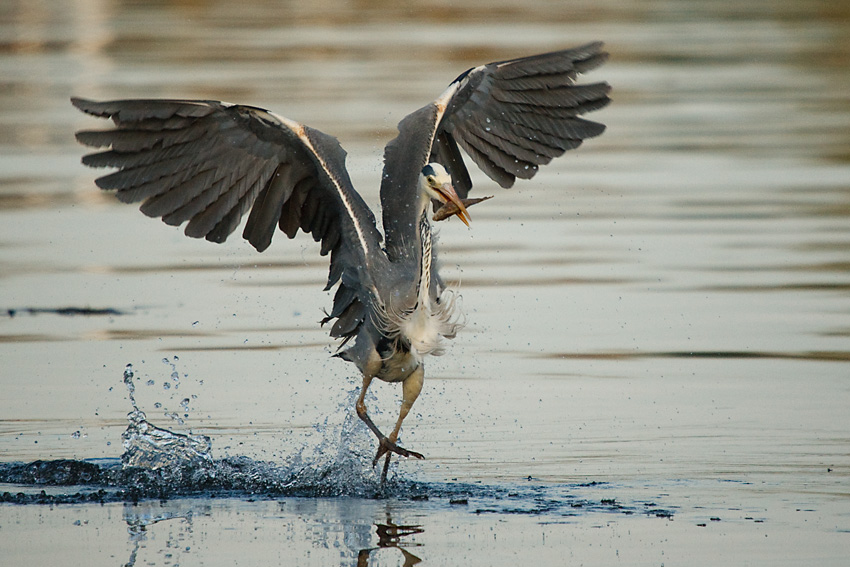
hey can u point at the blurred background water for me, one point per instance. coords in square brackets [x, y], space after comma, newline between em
[663, 312]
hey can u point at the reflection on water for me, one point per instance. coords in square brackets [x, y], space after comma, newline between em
[392, 536]
[142, 517]
[660, 320]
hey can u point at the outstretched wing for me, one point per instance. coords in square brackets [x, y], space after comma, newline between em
[208, 163]
[510, 117]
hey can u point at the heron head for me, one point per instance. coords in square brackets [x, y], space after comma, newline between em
[436, 183]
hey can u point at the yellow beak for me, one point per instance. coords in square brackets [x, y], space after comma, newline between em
[448, 193]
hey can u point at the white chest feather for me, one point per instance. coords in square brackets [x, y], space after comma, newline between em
[424, 328]
[424, 325]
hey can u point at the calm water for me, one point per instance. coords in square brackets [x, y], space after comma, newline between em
[656, 366]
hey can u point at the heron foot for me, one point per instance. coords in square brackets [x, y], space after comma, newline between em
[386, 446]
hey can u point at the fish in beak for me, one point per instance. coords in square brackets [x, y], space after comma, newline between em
[450, 208]
[449, 196]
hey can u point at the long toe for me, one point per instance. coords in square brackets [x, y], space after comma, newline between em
[386, 446]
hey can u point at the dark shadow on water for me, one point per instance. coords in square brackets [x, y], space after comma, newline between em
[66, 311]
[836, 356]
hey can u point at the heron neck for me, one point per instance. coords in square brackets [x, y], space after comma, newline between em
[424, 295]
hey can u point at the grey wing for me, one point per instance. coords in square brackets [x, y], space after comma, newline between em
[510, 117]
[208, 163]
[513, 116]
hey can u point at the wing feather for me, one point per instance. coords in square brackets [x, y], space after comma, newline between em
[264, 216]
[510, 117]
[208, 164]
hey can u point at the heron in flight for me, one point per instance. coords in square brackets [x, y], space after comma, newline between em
[209, 163]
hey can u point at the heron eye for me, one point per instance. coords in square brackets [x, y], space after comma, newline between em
[431, 180]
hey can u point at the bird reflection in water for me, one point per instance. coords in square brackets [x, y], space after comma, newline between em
[391, 535]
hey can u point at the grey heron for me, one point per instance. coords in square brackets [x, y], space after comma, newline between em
[210, 163]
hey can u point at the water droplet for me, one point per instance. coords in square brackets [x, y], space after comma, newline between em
[128, 382]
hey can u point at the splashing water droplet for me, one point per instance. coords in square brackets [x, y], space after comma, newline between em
[175, 417]
[128, 381]
[151, 447]
[335, 460]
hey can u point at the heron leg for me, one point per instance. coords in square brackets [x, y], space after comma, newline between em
[385, 444]
[411, 387]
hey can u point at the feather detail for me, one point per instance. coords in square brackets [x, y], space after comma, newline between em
[422, 327]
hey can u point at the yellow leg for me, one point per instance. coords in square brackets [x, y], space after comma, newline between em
[386, 444]
[411, 387]
[360, 406]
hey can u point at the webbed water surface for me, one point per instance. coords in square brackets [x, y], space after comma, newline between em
[656, 363]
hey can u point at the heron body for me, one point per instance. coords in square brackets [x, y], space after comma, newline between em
[208, 163]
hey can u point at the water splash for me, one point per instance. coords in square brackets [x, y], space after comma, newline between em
[68, 481]
[165, 461]
[151, 447]
[159, 464]
[341, 462]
